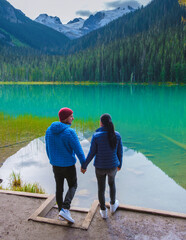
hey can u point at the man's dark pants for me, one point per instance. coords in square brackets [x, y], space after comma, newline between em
[68, 173]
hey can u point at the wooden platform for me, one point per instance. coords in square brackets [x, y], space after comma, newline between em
[40, 215]
[150, 211]
[41, 212]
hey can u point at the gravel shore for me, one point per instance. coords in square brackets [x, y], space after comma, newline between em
[125, 225]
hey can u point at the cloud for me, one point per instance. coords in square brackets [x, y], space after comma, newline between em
[122, 3]
[83, 13]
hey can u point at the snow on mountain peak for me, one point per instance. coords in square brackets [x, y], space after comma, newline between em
[79, 27]
[45, 19]
[75, 20]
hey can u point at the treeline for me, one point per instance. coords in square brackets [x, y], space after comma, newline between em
[149, 47]
[153, 56]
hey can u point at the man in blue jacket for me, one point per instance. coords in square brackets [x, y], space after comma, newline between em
[62, 144]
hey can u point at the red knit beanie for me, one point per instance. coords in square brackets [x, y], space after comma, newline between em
[64, 113]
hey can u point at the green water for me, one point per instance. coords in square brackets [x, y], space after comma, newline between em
[150, 119]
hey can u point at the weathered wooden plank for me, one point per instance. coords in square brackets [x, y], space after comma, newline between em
[90, 215]
[39, 214]
[150, 211]
[44, 208]
[77, 209]
[25, 194]
[57, 222]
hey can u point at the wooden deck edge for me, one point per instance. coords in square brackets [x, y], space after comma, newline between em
[25, 194]
[76, 209]
[150, 211]
[44, 208]
[49, 203]
[55, 222]
[90, 215]
[85, 210]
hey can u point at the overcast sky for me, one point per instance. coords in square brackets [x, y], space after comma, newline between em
[67, 10]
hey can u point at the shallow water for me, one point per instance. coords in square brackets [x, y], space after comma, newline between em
[139, 183]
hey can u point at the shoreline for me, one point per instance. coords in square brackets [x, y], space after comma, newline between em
[92, 83]
[124, 224]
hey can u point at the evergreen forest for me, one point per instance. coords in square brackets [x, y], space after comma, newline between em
[146, 46]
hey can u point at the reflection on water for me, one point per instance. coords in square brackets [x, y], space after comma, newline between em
[139, 183]
[150, 119]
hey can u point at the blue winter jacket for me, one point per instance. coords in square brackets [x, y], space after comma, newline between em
[105, 156]
[62, 144]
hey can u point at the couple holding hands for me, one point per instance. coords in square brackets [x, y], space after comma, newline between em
[62, 144]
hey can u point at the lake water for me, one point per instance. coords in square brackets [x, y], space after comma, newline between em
[150, 119]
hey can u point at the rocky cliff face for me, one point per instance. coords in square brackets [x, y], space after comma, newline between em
[9, 13]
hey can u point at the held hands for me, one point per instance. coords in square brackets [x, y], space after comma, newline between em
[83, 170]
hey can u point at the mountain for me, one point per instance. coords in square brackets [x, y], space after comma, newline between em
[16, 29]
[72, 29]
[145, 46]
[156, 14]
[102, 18]
[79, 27]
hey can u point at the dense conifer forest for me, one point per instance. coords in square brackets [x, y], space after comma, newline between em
[146, 46]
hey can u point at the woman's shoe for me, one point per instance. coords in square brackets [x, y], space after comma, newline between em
[114, 206]
[103, 213]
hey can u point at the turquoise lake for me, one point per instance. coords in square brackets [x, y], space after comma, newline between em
[150, 119]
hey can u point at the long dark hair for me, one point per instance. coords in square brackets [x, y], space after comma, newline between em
[108, 124]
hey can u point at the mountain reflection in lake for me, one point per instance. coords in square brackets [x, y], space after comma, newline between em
[139, 183]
